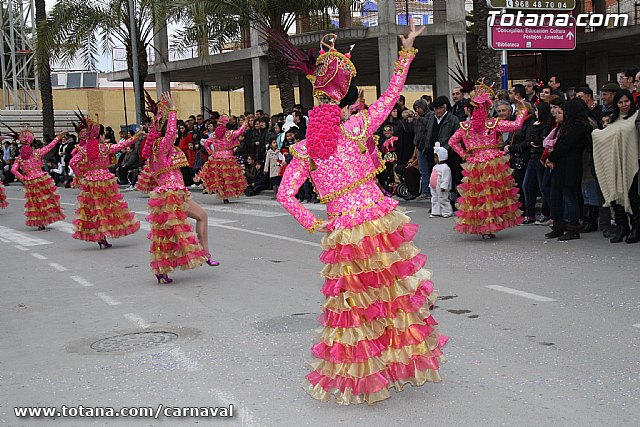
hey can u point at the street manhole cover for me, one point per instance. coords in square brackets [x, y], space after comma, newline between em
[133, 342]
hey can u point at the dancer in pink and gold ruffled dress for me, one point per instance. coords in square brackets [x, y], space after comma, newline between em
[3, 197]
[378, 331]
[173, 244]
[488, 199]
[43, 202]
[102, 211]
[222, 174]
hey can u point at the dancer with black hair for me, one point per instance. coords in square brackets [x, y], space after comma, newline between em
[173, 244]
[102, 211]
[222, 174]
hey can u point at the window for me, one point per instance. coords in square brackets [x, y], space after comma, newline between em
[73, 80]
[54, 80]
[89, 79]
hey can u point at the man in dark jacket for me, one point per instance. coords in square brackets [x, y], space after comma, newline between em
[130, 162]
[458, 107]
[264, 137]
[440, 126]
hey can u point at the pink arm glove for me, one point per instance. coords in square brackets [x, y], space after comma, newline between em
[295, 175]
[454, 143]
[237, 133]
[74, 163]
[170, 136]
[14, 169]
[44, 150]
[114, 148]
[510, 126]
[380, 110]
[207, 144]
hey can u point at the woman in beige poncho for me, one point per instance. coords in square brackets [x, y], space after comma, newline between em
[616, 150]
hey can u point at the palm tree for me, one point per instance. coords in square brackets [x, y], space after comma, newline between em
[44, 73]
[86, 28]
[266, 16]
[488, 59]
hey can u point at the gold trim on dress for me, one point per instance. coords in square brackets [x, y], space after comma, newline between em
[350, 187]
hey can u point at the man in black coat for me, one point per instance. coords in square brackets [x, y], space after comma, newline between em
[458, 104]
[440, 126]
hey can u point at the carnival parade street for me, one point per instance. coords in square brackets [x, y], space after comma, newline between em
[542, 332]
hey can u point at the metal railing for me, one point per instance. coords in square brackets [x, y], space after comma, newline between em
[630, 8]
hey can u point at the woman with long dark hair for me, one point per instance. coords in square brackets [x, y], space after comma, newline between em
[615, 156]
[565, 162]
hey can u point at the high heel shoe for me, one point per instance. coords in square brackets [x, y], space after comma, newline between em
[225, 201]
[40, 227]
[163, 278]
[212, 262]
[488, 236]
[104, 243]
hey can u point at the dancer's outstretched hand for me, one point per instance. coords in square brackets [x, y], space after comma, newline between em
[322, 228]
[407, 42]
[166, 96]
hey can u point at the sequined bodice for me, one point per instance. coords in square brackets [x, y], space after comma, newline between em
[345, 180]
[480, 146]
[223, 147]
[166, 159]
[32, 167]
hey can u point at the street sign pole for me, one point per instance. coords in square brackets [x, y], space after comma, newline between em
[504, 67]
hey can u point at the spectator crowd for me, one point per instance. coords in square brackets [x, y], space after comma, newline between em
[564, 157]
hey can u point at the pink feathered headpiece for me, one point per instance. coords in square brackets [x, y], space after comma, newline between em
[330, 73]
[221, 129]
[26, 136]
[85, 127]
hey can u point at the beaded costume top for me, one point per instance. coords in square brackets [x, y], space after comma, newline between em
[166, 160]
[223, 147]
[32, 166]
[83, 166]
[344, 176]
[484, 143]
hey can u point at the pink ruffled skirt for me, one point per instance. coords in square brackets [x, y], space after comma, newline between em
[488, 199]
[377, 329]
[173, 242]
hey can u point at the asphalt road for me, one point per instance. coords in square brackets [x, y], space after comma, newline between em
[542, 332]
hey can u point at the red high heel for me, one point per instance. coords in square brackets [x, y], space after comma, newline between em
[163, 278]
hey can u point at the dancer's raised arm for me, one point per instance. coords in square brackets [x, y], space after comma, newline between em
[380, 110]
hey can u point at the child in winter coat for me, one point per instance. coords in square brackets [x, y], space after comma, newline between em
[272, 166]
[440, 184]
